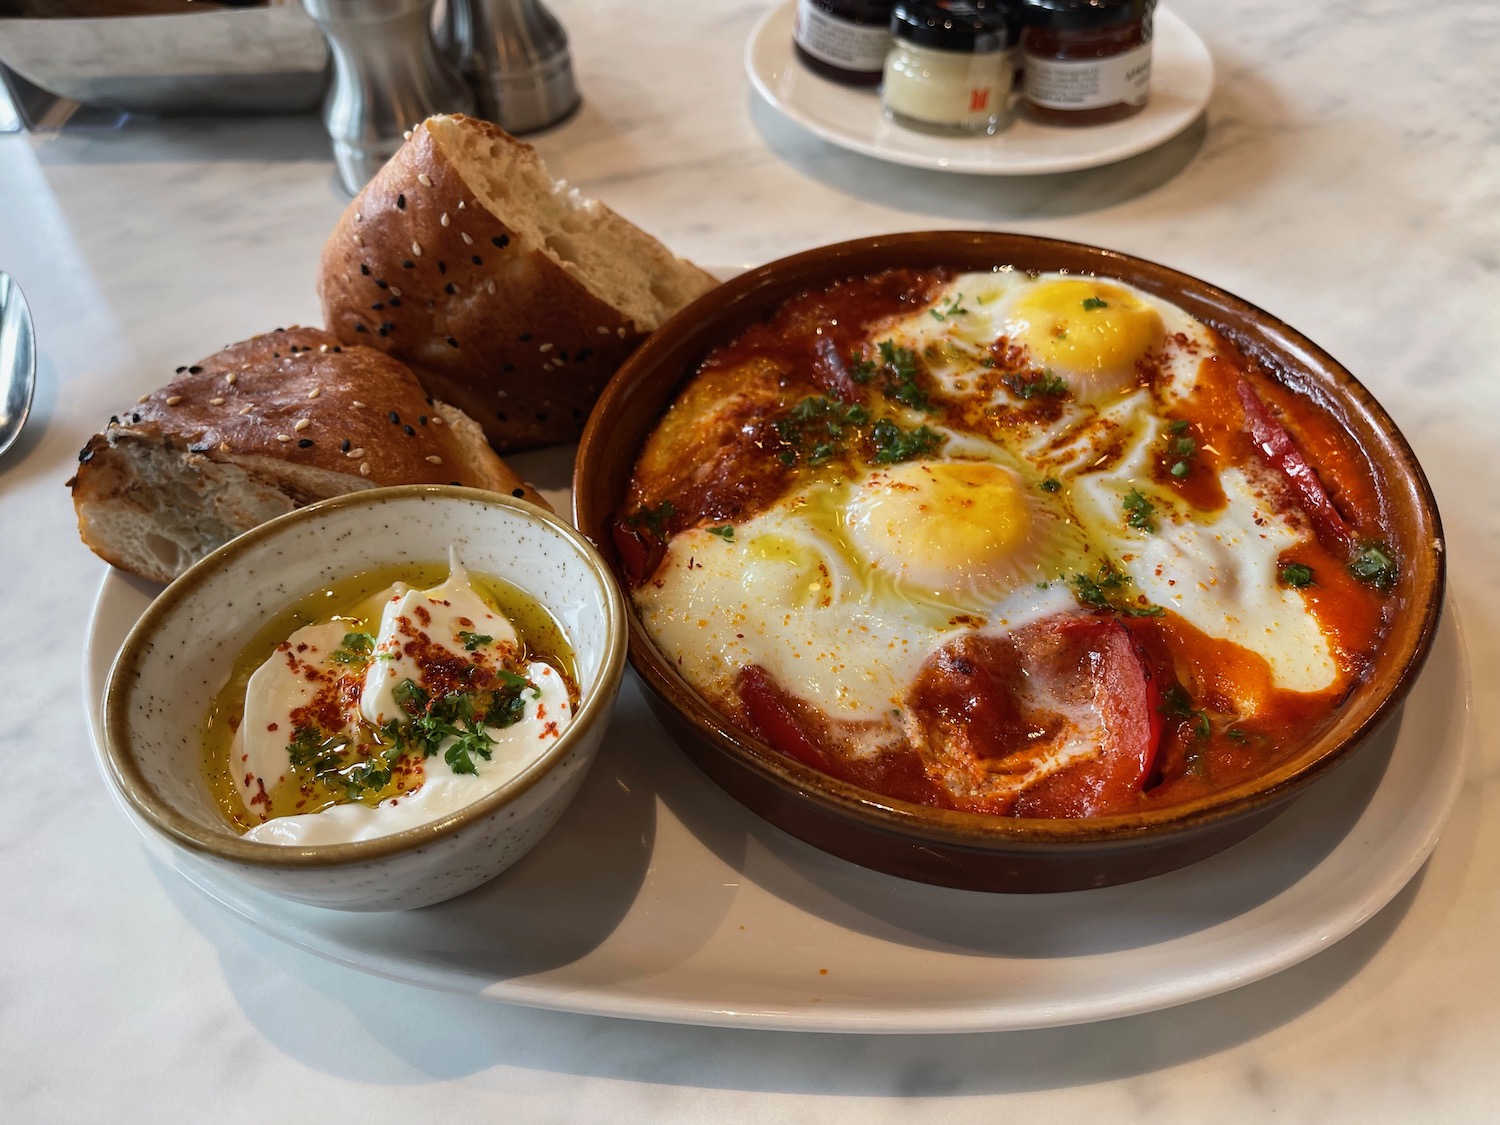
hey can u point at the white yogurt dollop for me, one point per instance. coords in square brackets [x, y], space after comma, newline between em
[435, 640]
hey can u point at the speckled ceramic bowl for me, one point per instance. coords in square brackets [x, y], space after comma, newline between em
[181, 652]
[971, 850]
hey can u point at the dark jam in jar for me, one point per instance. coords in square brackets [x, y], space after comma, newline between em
[1086, 62]
[843, 40]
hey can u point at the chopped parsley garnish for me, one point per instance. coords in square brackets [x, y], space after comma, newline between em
[459, 716]
[1092, 303]
[861, 370]
[473, 641]
[1177, 703]
[655, 519]
[1376, 564]
[725, 533]
[1046, 383]
[953, 307]
[893, 444]
[1103, 591]
[816, 429]
[311, 749]
[1140, 513]
[1181, 446]
[1296, 575]
[1051, 484]
[901, 376]
[355, 648]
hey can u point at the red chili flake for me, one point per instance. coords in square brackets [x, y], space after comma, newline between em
[270, 726]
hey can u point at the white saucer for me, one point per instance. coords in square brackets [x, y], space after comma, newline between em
[658, 897]
[1182, 78]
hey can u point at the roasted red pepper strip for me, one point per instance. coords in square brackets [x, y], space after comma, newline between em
[1128, 701]
[778, 723]
[639, 554]
[835, 373]
[1279, 450]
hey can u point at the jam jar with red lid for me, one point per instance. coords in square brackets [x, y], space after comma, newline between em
[1086, 62]
[843, 40]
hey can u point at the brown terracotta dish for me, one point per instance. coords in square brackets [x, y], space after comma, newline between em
[1026, 851]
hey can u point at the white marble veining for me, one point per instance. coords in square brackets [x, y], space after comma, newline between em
[1347, 178]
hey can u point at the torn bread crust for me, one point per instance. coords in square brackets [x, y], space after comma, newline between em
[261, 428]
[510, 295]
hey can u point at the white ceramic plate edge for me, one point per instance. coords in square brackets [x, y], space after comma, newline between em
[1353, 882]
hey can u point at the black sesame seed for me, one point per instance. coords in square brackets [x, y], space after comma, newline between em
[200, 447]
[524, 337]
[305, 443]
[507, 367]
[114, 419]
[180, 370]
[421, 419]
[382, 283]
[401, 202]
[477, 260]
[364, 269]
[456, 484]
[577, 415]
[518, 492]
[382, 332]
[452, 343]
[378, 305]
[562, 356]
[409, 431]
[195, 370]
[582, 354]
[85, 454]
[395, 302]
[135, 416]
[360, 328]
[500, 414]
[450, 289]
[275, 355]
[501, 241]
[442, 267]
[408, 264]
[388, 326]
[541, 415]
[278, 330]
[335, 348]
[344, 446]
[394, 417]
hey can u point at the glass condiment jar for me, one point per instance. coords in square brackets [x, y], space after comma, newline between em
[843, 40]
[1086, 62]
[950, 69]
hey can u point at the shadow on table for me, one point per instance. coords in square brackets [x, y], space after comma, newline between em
[1236, 114]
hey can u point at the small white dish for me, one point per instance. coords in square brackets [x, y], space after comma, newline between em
[180, 653]
[1182, 78]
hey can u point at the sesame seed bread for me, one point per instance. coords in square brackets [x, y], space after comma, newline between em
[260, 428]
[508, 294]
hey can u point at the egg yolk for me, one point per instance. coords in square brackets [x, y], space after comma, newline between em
[1088, 328]
[944, 526]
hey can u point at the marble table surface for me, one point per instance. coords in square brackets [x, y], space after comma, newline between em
[1345, 176]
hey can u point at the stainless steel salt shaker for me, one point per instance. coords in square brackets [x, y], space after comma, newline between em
[387, 76]
[515, 56]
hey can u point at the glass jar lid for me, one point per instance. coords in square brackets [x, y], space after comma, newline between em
[952, 25]
[1085, 15]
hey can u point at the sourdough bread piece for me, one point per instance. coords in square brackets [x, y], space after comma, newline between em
[263, 427]
[510, 296]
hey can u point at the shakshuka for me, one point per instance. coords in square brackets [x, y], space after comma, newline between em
[1036, 545]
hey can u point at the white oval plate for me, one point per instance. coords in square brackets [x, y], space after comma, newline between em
[658, 897]
[1182, 78]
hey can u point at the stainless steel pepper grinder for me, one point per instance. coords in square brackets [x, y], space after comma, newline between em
[514, 54]
[387, 76]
